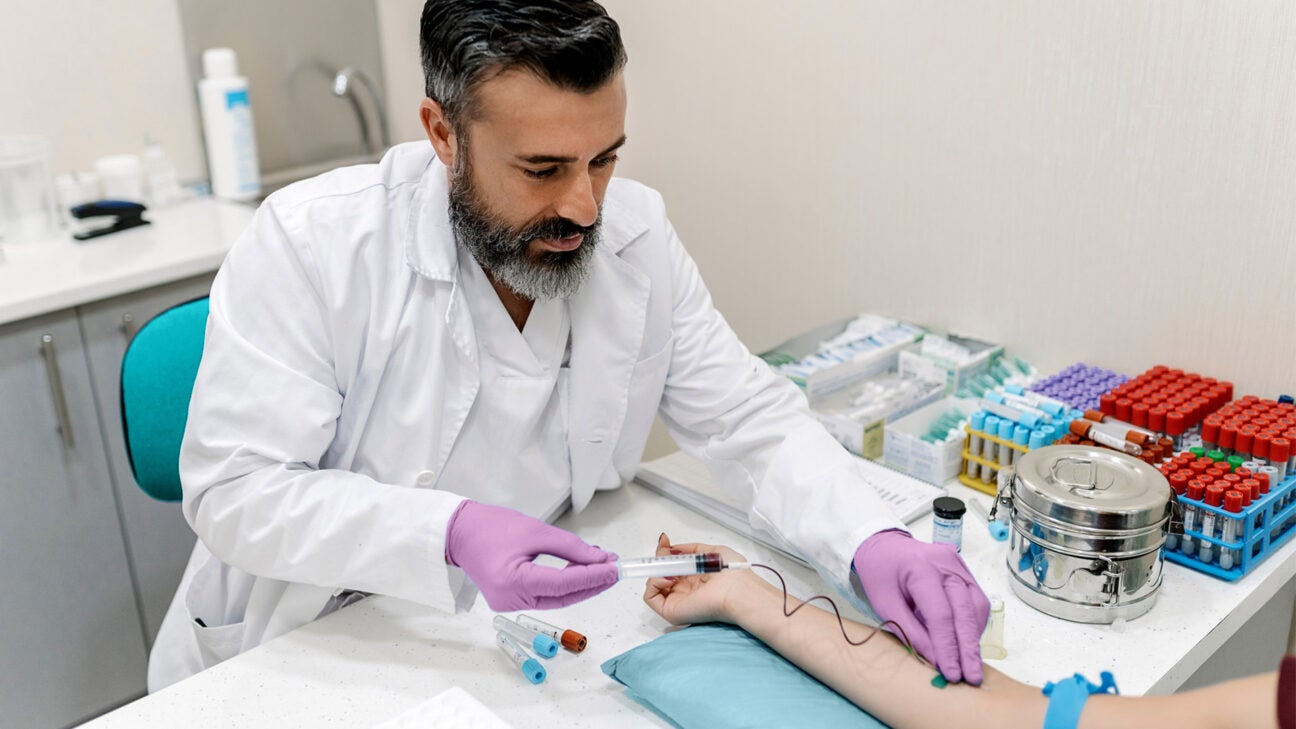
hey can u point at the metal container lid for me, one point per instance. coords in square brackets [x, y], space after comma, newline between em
[1092, 488]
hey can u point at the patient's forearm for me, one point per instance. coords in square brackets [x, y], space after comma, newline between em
[880, 675]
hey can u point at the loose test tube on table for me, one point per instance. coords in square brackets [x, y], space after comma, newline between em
[543, 645]
[570, 639]
[530, 667]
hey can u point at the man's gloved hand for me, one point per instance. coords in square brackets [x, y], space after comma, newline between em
[495, 546]
[929, 592]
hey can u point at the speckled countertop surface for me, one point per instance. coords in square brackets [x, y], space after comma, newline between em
[373, 660]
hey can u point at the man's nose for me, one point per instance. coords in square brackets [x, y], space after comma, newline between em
[577, 202]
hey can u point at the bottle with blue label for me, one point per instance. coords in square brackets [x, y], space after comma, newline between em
[227, 127]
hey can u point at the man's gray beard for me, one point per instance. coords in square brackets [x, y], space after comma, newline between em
[503, 252]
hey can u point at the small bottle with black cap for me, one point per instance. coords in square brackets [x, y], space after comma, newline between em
[947, 521]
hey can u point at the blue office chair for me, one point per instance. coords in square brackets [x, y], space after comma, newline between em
[157, 379]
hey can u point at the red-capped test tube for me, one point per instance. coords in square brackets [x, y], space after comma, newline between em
[1233, 505]
[1214, 497]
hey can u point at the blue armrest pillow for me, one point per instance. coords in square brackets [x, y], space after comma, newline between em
[714, 676]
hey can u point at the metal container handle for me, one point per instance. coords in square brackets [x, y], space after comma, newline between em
[56, 390]
[1079, 488]
[1003, 494]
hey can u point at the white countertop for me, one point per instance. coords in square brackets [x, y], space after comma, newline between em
[371, 661]
[185, 239]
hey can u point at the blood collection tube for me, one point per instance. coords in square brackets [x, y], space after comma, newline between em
[1098, 417]
[1021, 438]
[989, 449]
[1233, 505]
[1020, 403]
[543, 645]
[530, 667]
[1175, 426]
[570, 639]
[1210, 433]
[1196, 490]
[1279, 453]
[1008, 412]
[1214, 497]
[1089, 429]
[1228, 437]
[974, 433]
[1178, 482]
[1006, 428]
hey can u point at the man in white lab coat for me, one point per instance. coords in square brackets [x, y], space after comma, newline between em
[411, 367]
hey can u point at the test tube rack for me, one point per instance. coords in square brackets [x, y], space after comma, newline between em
[980, 484]
[1267, 524]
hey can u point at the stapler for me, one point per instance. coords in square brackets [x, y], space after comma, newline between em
[125, 214]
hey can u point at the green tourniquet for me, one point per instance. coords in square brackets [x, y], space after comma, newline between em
[939, 681]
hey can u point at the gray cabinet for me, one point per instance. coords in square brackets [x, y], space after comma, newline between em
[158, 539]
[88, 561]
[71, 644]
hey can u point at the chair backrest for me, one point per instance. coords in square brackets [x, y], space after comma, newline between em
[157, 379]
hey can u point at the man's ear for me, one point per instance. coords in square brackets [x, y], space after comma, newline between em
[439, 131]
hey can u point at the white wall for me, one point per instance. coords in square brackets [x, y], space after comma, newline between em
[1105, 181]
[94, 76]
[1110, 181]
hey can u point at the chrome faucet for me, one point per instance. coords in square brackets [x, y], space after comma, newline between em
[344, 88]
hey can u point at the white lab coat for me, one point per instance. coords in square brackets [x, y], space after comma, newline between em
[341, 362]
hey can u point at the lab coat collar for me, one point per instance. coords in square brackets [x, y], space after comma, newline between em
[430, 248]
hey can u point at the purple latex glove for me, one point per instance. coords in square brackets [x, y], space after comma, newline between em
[495, 546]
[929, 592]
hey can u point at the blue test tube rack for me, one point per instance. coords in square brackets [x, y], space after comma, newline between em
[1267, 524]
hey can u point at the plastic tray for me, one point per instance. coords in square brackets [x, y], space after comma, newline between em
[1268, 524]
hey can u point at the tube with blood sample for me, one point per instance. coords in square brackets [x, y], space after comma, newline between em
[1098, 417]
[674, 565]
[1232, 524]
[1089, 429]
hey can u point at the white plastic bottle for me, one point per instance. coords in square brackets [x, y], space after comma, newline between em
[227, 125]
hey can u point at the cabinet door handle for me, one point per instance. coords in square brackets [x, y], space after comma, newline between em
[56, 390]
[128, 326]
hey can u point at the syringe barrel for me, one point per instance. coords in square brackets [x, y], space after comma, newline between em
[675, 565]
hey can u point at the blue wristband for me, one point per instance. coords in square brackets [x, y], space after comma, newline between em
[1068, 696]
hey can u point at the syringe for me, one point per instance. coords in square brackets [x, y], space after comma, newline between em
[675, 565]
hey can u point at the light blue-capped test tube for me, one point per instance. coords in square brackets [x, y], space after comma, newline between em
[1036, 439]
[1021, 437]
[543, 645]
[530, 667]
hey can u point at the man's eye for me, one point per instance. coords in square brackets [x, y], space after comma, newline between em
[540, 174]
[604, 161]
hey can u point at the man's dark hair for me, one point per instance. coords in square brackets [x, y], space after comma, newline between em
[572, 44]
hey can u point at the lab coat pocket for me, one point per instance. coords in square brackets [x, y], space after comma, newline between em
[645, 395]
[215, 613]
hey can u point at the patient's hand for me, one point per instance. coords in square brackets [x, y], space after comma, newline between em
[704, 598]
